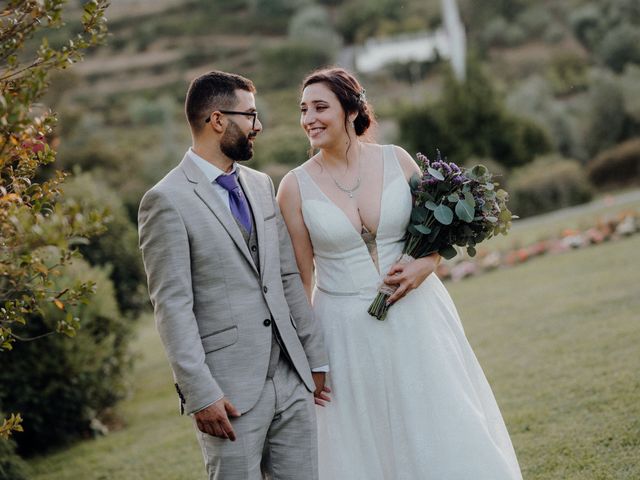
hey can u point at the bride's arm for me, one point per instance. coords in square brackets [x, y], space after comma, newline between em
[410, 275]
[290, 205]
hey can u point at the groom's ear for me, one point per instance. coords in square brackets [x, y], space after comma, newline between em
[215, 121]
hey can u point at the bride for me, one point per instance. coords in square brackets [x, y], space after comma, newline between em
[409, 399]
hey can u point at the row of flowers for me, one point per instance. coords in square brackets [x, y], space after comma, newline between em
[606, 229]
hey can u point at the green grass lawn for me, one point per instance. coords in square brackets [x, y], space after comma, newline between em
[558, 338]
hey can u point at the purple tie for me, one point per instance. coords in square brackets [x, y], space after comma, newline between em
[237, 201]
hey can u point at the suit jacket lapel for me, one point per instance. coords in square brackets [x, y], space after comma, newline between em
[258, 215]
[205, 191]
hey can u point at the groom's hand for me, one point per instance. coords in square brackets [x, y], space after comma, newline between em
[214, 419]
[320, 393]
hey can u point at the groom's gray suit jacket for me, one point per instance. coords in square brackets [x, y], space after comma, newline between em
[213, 307]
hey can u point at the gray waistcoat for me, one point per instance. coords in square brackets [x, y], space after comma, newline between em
[252, 243]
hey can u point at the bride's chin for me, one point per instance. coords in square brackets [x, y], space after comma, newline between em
[314, 143]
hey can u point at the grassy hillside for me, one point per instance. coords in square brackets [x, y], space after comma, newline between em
[557, 338]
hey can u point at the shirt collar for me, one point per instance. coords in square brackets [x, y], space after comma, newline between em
[210, 170]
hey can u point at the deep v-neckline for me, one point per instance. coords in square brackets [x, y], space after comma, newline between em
[343, 213]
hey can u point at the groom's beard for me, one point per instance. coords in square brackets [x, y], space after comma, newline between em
[235, 144]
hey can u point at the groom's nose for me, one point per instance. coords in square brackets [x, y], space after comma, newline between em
[257, 127]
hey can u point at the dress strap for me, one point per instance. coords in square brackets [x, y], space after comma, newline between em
[307, 187]
[392, 168]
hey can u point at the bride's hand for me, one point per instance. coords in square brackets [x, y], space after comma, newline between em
[410, 275]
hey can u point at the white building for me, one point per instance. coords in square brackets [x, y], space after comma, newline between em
[423, 47]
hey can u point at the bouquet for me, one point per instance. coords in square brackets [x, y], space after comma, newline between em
[451, 207]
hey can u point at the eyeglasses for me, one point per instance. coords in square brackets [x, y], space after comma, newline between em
[232, 112]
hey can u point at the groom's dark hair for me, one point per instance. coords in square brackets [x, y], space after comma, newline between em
[210, 91]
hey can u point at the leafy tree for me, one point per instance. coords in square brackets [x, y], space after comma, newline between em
[39, 232]
[620, 47]
[606, 120]
[470, 120]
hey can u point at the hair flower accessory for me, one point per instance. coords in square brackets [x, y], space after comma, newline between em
[362, 98]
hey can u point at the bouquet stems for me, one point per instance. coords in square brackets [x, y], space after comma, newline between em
[380, 305]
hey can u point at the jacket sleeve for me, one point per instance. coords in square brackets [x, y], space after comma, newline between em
[166, 254]
[308, 329]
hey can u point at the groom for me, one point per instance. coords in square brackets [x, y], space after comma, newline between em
[227, 296]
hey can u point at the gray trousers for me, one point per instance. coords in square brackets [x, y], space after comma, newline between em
[282, 426]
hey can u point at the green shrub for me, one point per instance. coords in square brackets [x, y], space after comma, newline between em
[501, 33]
[12, 467]
[586, 24]
[285, 65]
[606, 118]
[283, 145]
[312, 25]
[62, 384]
[547, 184]
[620, 47]
[471, 120]
[359, 20]
[272, 16]
[630, 86]
[616, 167]
[567, 73]
[535, 21]
[116, 248]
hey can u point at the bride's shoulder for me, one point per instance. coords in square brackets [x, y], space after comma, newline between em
[289, 187]
[406, 161]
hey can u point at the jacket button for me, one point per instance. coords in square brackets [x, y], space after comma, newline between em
[253, 248]
[265, 289]
[267, 322]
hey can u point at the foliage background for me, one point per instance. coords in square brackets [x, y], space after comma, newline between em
[551, 102]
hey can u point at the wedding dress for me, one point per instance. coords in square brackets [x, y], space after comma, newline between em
[409, 401]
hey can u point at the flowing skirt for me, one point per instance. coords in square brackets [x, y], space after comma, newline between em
[409, 401]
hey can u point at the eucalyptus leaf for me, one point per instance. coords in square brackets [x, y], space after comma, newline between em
[435, 173]
[471, 251]
[479, 171]
[453, 198]
[414, 181]
[468, 197]
[430, 205]
[419, 214]
[422, 229]
[443, 214]
[448, 252]
[464, 211]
